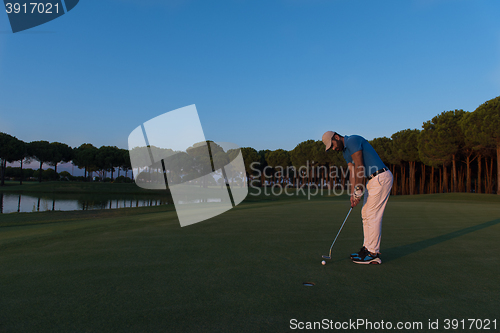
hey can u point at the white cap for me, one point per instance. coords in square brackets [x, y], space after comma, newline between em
[327, 139]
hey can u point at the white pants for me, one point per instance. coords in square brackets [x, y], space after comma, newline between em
[376, 196]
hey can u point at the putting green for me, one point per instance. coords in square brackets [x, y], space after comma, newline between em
[243, 271]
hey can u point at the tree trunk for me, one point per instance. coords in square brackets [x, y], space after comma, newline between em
[422, 178]
[486, 176]
[395, 180]
[454, 170]
[2, 172]
[454, 188]
[288, 175]
[330, 178]
[21, 181]
[441, 188]
[282, 176]
[40, 172]
[324, 177]
[491, 180]
[403, 180]
[498, 167]
[489, 176]
[469, 181]
[412, 177]
[479, 180]
[461, 186]
[309, 175]
[432, 181]
[445, 179]
[316, 175]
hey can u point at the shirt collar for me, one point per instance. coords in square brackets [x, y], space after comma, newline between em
[345, 139]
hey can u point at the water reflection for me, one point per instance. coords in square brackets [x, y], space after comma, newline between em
[24, 203]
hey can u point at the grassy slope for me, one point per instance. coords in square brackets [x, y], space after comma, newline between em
[137, 270]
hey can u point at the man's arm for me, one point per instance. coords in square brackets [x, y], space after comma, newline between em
[357, 172]
[351, 168]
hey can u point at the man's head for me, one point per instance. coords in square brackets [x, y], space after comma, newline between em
[332, 141]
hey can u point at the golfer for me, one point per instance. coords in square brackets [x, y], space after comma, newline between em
[364, 162]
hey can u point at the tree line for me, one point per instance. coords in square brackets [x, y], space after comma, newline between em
[91, 159]
[187, 166]
[456, 151]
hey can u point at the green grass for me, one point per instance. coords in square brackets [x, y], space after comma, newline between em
[138, 270]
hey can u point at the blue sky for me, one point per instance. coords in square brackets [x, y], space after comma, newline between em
[265, 74]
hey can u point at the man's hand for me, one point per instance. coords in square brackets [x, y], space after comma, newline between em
[355, 201]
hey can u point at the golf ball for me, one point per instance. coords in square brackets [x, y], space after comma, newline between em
[323, 262]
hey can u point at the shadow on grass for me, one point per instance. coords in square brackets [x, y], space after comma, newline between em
[404, 250]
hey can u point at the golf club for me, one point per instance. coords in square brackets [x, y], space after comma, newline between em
[330, 255]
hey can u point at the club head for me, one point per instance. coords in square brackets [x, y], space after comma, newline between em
[326, 257]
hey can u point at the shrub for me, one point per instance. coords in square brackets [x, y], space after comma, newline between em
[64, 175]
[123, 179]
[48, 174]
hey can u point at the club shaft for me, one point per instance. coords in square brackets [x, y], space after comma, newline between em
[338, 233]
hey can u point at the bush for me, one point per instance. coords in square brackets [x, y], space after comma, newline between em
[123, 179]
[65, 176]
[15, 172]
[12, 172]
[28, 173]
[48, 174]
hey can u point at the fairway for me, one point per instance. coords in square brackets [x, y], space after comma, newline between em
[136, 269]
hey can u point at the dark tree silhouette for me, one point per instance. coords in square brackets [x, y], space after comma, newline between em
[41, 151]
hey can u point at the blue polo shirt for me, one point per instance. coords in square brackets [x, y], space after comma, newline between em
[371, 160]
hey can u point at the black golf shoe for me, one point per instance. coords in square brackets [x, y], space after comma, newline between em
[367, 259]
[360, 254]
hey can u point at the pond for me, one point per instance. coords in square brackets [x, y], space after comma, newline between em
[25, 203]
